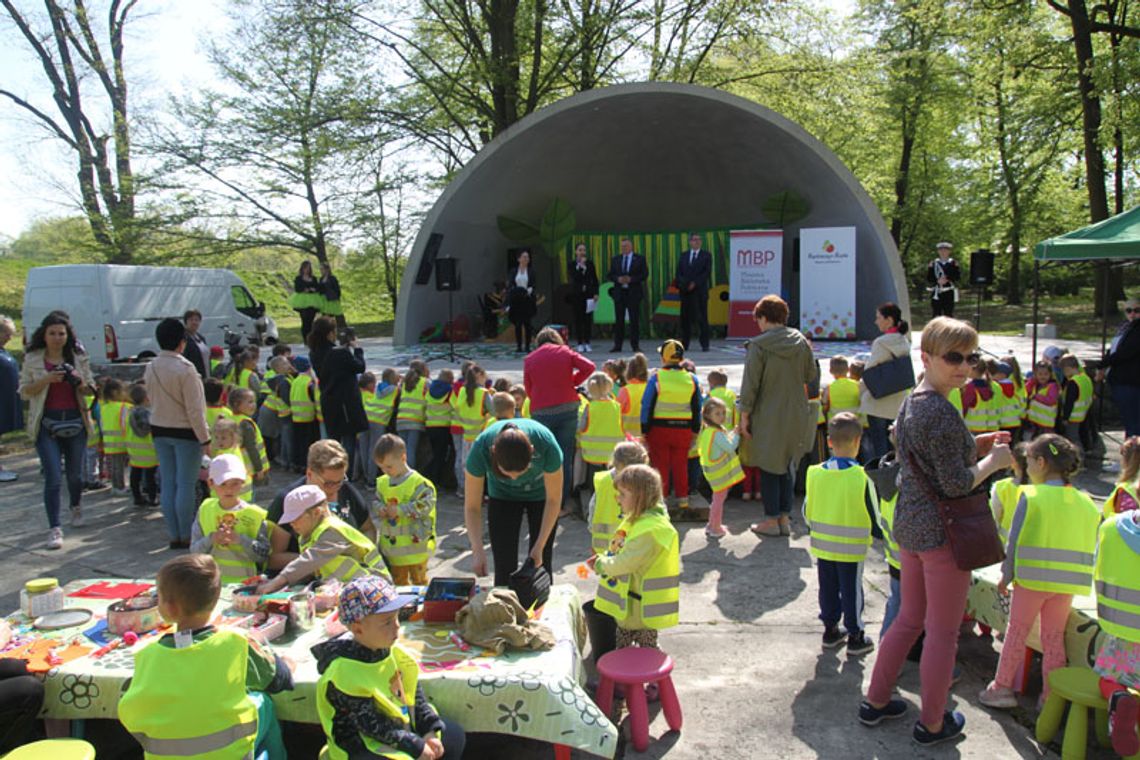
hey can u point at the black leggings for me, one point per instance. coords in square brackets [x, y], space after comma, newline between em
[523, 329]
[144, 477]
[440, 440]
[21, 697]
[504, 518]
[305, 434]
[307, 317]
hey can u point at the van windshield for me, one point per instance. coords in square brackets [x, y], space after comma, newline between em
[244, 301]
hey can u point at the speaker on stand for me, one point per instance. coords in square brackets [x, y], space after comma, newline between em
[981, 277]
[447, 280]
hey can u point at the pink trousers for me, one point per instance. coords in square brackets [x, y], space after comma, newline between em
[933, 598]
[1024, 608]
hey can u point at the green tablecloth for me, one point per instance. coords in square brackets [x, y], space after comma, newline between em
[1083, 635]
[531, 694]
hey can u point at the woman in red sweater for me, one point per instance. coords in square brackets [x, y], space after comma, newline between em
[552, 373]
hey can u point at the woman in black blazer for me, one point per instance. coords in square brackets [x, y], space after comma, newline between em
[521, 302]
[584, 283]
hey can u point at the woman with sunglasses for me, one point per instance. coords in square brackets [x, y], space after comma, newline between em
[1121, 367]
[937, 453]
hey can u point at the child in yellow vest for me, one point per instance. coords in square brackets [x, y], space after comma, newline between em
[1042, 397]
[1049, 558]
[202, 689]
[369, 698]
[1076, 402]
[243, 405]
[366, 440]
[717, 445]
[718, 388]
[1118, 661]
[1010, 403]
[438, 411]
[230, 529]
[522, 403]
[1126, 495]
[113, 411]
[273, 416]
[599, 424]
[502, 408]
[411, 409]
[978, 400]
[304, 398]
[841, 512]
[843, 393]
[225, 438]
[140, 449]
[630, 395]
[603, 512]
[472, 407]
[1005, 493]
[639, 575]
[214, 391]
[404, 517]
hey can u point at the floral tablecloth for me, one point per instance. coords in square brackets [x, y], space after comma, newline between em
[1083, 635]
[531, 694]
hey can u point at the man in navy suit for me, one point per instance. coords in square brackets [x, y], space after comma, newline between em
[693, 272]
[628, 272]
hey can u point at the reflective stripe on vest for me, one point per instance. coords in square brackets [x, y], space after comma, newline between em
[842, 396]
[1042, 414]
[836, 512]
[363, 558]
[412, 402]
[661, 583]
[1010, 415]
[886, 523]
[246, 520]
[471, 417]
[302, 406]
[631, 420]
[675, 391]
[1118, 582]
[729, 399]
[111, 417]
[273, 402]
[198, 745]
[603, 431]
[397, 537]
[1057, 540]
[977, 417]
[721, 473]
[1084, 397]
[607, 513]
[438, 411]
[140, 449]
[260, 443]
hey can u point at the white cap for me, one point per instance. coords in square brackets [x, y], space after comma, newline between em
[300, 500]
[226, 467]
[943, 244]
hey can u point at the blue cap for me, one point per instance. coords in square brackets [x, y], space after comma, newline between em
[302, 363]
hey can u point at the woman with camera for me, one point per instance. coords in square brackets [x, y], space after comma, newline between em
[55, 380]
[337, 367]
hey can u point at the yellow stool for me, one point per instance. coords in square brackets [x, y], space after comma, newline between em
[1081, 687]
[53, 749]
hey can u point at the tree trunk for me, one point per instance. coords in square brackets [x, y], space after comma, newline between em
[500, 16]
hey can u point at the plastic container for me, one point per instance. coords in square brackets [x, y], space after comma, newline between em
[41, 596]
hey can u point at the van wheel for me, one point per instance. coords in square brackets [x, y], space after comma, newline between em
[270, 341]
[146, 355]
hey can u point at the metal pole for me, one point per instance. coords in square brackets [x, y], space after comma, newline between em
[1036, 296]
[1103, 343]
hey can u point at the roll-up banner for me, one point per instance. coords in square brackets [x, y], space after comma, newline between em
[756, 259]
[827, 283]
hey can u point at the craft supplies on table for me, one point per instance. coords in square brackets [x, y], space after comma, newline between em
[41, 596]
[445, 597]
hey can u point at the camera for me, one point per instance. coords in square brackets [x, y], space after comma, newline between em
[347, 335]
[69, 375]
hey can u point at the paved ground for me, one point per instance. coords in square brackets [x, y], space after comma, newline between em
[751, 675]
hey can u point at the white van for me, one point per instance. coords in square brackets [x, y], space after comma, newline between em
[114, 309]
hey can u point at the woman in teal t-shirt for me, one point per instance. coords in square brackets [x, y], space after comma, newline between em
[522, 465]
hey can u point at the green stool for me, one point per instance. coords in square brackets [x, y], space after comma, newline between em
[53, 749]
[1081, 687]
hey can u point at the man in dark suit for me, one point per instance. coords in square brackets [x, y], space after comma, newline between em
[628, 272]
[693, 272]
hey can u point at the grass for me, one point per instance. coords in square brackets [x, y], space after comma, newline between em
[1073, 315]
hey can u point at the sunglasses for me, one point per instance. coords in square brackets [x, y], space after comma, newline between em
[1131, 310]
[955, 358]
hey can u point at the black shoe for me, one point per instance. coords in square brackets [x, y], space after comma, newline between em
[139, 502]
[858, 644]
[615, 350]
[873, 716]
[832, 638]
[179, 545]
[952, 725]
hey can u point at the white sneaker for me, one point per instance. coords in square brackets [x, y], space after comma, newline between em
[998, 697]
[55, 539]
[581, 348]
[77, 520]
[589, 348]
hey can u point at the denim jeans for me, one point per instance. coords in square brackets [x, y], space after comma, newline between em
[776, 491]
[563, 426]
[179, 461]
[1127, 400]
[57, 456]
[877, 436]
[411, 442]
[894, 602]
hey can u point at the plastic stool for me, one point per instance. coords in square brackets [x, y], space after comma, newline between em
[1081, 688]
[53, 749]
[635, 668]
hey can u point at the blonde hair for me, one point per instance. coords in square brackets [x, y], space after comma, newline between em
[638, 368]
[944, 334]
[844, 428]
[629, 453]
[599, 386]
[642, 483]
[280, 365]
[712, 403]
[503, 405]
[7, 325]
[225, 426]
[1129, 460]
[326, 454]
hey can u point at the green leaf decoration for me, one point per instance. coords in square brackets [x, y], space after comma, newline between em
[785, 207]
[518, 231]
[557, 226]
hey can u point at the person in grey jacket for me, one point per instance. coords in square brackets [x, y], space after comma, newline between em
[894, 342]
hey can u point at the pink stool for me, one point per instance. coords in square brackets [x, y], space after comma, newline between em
[634, 668]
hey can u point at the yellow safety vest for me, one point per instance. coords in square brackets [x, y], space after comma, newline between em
[603, 431]
[246, 520]
[631, 420]
[607, 512]
[396, 539]
[245, 458]
[660, 587]
[526, 409]
[887, 524]
[1084, 397]
[836, 513]
[303, 408]
[412, 403]
[244, 378]
[1117, 583]
[1110, 503]
[387, 402]
[438, 411]
[215, 413]
[140, 449]
[994, 407]
[363, 558]
[1057, 540]
[977, 417]
[842, 396]
[1008, 493]
[1042, 414]
[729, 399]
[111, 419]
[274, 402]
[192, 702]
[247, 489]
[269, 375]
[214, 364]
[390, 684]
[955, 399]
[675, 389]
[722, 472]
[471, 417]
[1010, 414]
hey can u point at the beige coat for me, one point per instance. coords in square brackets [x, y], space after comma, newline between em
[778, 365]
[33, 370]
[886, 347]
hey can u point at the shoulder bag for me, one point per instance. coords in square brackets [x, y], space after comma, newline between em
[890, 377]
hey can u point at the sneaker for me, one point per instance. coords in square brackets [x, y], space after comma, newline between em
[766, 528]
[77, 520]
[580, 348]
[589, 348]
[746, 496]
[719, 533]
[952, 725]
[97, 485]
[870, 715]
[1123, 710]
[832, 638]
[120, 492]
[858, 645]
[997, 697]
[55, 539]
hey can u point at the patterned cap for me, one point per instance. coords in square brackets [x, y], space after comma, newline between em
[672, 351]
[369, 595]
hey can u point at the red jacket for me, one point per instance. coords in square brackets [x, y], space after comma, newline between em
[551, 373]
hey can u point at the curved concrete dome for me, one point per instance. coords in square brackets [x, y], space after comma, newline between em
[645, 157]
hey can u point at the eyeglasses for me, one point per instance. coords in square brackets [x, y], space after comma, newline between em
[328, 484]
[955, 358]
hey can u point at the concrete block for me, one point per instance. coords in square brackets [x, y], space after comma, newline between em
[1043, 331]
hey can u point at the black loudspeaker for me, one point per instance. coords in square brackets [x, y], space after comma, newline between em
[982, 267]
[431, 251]
[446, 274]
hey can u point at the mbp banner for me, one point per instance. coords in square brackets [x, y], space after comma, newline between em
[756, 259]
[827, 283]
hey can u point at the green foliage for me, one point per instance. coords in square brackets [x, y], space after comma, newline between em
[558, 224]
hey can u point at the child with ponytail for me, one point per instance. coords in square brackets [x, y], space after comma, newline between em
[719, 461]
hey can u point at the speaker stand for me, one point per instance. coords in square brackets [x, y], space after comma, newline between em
[978, 309]
[451, 354]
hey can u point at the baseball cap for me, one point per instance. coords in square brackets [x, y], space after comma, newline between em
[216, 352]
[1053, 353]
[1004, 368]
[300, 500]
[302, 363]
[226, 467]
[369, 595]
[672, 351]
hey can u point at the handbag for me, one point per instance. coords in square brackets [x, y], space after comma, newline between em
[890, 377]
[531, 584]
[62, 428]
